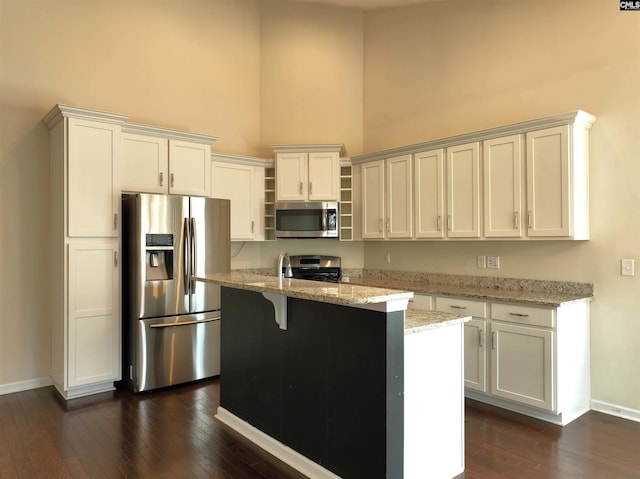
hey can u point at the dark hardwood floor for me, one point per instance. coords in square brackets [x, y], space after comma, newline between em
[172, 433]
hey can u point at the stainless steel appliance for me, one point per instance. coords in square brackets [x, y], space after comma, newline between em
[171, 323]
[316, 268]
[307, 219]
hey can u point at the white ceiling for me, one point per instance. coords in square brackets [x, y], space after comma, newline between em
[368, 4]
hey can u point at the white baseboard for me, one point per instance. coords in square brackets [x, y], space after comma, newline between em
[614, 410]
[25, 385]
[274, 447]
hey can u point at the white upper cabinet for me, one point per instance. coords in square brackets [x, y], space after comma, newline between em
[480, 192]
[387, 198]
[503, 170]
[557, 184]
[373, 204]
[156, 160]
[243, 184]
[429, 194]
[399, 197]
[308, 172]
[463, 191]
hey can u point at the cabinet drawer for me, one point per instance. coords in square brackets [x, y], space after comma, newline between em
[514, 313]
[421, 301]
[461, 306]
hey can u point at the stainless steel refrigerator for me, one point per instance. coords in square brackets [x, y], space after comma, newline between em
[171, 323]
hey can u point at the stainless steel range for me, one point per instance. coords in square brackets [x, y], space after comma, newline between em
[316, 268]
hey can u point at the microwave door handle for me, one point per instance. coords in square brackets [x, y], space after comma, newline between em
[324, 220]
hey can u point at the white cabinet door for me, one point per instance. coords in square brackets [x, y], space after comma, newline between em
[475, 358]
[548, 182]
[373, 212]
[522, 364]
[502, 165]
[291, 177]
[243, 185]
[93, 335]
[189, 168]
[429, 194]
[93, 161]
[324, 176]
[399, 197]
[463, 191]
[145, 163]
[421, 301]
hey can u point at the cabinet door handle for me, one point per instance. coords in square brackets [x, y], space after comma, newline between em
[310, 188]
[388, 225]
[493, 340]
[171, 177]
[161, 178]
[519, 315]
[301, 187]
[529, 219]
[380, 225]
[449, 222]
[480, 336]
[516, 220]
[115, 259]
[252, 224]
[115, 221]
[439, 223]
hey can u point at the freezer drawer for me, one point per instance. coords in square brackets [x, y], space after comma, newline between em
[176, 350]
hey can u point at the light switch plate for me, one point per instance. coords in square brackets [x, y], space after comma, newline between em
[482, 262]
[627, 267]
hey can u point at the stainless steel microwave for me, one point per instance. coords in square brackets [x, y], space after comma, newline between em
[307, 219]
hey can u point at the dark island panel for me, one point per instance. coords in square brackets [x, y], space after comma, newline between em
[329, 387]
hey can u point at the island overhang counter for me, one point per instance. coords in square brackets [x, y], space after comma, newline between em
[325, 376]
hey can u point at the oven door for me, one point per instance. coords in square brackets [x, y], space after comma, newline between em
[307, 220]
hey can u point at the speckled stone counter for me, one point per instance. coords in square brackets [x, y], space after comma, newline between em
[420, 320]
[347, 294]
[509, 290]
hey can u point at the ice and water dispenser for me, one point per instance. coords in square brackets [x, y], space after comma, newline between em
[159, 257]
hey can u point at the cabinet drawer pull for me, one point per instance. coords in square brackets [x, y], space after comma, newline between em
[453, 306]
[519, 315]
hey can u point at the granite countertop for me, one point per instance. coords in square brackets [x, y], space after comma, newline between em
[547, 298]
[349, 294]
[419, 320]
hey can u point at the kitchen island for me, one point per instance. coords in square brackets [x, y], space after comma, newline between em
[328, 378]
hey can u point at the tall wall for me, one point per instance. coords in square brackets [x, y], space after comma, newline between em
[450, 67]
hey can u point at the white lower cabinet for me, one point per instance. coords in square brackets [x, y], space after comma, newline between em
[539, 356]
[475, 360]
[92, 332]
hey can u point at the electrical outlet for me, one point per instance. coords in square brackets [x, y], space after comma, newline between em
[482, 262]
[493, 262]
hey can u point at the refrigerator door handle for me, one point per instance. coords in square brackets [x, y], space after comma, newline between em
[194, 249]
[184, 323]
[186, 256]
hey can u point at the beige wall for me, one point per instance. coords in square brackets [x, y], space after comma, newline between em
[311, 79]
[452, 67]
